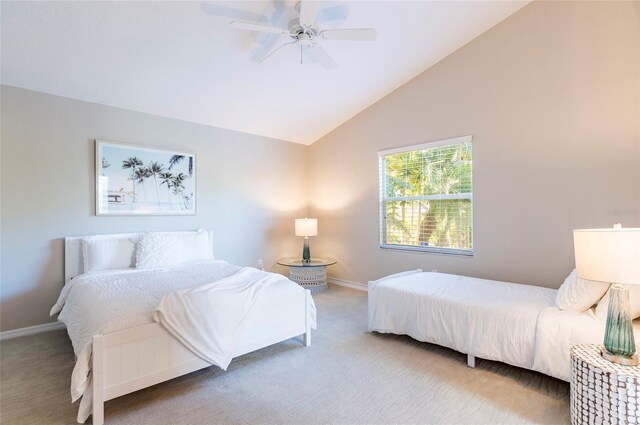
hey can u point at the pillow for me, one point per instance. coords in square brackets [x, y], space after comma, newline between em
[163, 250]
[577, 294]
[107, 253]
[634, 298]
[154, 251]
[192, 246]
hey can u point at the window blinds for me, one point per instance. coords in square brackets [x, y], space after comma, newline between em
[426, 200]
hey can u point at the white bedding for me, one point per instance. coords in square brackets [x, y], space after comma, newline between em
[558, 330]
[109, 301]
[489, 319]
[511, 323]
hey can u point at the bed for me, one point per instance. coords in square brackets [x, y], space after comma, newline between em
[119, 347]
[507, 322]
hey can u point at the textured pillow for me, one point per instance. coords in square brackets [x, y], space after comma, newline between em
[107, 253]
[577, 294]
[154, 251]
[163, 250]
[634, 298]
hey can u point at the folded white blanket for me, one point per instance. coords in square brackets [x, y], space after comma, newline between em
[209, 319]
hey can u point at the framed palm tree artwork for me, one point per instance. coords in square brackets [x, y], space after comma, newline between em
[139, 180]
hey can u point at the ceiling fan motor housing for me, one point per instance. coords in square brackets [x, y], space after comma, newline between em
[306, 36]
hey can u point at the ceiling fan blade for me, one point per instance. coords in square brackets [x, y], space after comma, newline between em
[264, 45]
[279, 47]
[308, 12]
[257, 27]
[338, 12]
[354, 34]
[229, 12]
[317, 54]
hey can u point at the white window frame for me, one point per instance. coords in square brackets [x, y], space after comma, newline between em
[383, 199]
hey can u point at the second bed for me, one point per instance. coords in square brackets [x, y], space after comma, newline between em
[512, 323]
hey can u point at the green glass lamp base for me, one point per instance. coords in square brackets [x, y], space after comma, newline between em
[306, 252]
[623, 360]
[619, 341]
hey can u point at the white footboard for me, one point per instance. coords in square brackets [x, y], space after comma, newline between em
[136, 358]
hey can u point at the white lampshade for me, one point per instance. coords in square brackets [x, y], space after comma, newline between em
[608, 255]
[306, 227]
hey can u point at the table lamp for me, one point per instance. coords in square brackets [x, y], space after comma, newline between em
[306, 227]
[612, 256]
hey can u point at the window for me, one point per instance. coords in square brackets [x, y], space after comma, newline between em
[426, 201]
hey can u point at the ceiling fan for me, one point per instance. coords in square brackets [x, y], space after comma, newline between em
[305, 33]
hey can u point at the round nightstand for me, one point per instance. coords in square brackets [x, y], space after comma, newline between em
[602, 392]
[310, 275]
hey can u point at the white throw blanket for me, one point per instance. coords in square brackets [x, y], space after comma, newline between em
[209, 319]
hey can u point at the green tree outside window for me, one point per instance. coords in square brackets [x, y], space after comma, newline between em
[426, 198]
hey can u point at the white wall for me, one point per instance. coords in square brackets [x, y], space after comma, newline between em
[551, 97]
[249, 190]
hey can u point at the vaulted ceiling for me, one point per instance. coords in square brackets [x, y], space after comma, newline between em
[182, 59]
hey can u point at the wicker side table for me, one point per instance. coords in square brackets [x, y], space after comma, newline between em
[602, 392]
[310, 275]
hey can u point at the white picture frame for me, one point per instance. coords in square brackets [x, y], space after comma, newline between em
[141, 180]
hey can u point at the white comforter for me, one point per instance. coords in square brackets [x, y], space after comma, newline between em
[489, 319]
[558, 330]
[105, 302]
[516, 324]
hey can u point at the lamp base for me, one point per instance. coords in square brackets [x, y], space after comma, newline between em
[634, 360]
[618, 336]
[306, 252]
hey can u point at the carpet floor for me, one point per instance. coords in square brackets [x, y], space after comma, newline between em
[347, 376]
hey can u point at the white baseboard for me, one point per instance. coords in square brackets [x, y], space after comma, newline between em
[348, 283]
[30, 330]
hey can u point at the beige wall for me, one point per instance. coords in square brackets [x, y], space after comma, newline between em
[249, 190]
[551, 97]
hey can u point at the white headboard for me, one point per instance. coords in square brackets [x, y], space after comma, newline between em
[73, 261]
